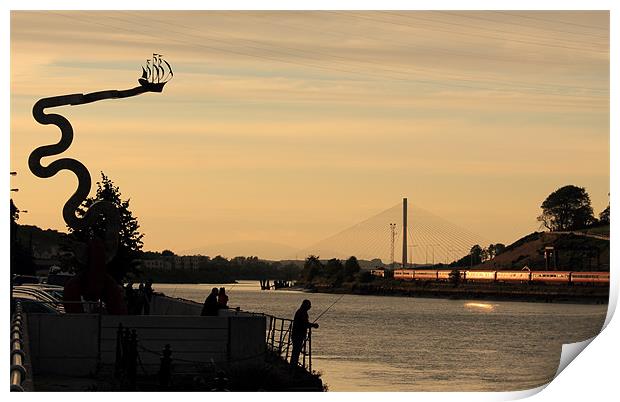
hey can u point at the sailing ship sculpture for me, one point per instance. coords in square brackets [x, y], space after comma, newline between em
[156, 74]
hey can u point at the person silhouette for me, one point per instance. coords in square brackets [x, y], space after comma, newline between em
[210, 306]
[222, 298]
[301, 323]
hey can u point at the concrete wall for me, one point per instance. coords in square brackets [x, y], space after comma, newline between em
[63, 344]
[163, 305]
[74, 344]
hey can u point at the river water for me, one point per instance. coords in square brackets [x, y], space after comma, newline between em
[379, 343]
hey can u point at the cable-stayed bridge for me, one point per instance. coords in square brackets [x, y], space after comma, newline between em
[430, 238]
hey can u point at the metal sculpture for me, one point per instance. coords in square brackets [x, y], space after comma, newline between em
[154, 76]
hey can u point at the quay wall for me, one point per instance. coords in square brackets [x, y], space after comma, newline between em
[84, 344]
[163, 305]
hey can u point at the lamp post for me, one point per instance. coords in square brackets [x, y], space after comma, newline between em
[393, 236]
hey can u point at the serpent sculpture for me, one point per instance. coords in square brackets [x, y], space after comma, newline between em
[154, 77]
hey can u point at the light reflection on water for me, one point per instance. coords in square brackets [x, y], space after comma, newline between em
[375, 343]
[483, 306]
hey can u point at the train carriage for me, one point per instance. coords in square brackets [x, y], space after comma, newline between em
[590, 277]
[380, 272]
[425, 275]
[551, 276]
[480, 276]
[444, 274]
[403, 274]
[513, 276]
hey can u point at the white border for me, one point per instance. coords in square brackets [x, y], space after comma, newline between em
[592, 375]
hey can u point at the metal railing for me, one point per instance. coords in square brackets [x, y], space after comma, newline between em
[280, 342]
[18, 356]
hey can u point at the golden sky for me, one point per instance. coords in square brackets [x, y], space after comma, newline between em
[287, 127]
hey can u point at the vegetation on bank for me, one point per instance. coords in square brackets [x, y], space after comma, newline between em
[221, 270]
[474, 291]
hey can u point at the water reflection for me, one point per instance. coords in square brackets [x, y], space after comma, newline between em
[480, 306]
[374, 343]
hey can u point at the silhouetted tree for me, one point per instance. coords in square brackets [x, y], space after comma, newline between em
[365, 276]
[351, 267]
[567, 208]
[312, 268]
[130, 238]
[475, 255]
[335, 271]
[499, 248]
[604, 216]
[167, 253]
[21, 257]
[455, 277]
[492, 251]
[14, 213]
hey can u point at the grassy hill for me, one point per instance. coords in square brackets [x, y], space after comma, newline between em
[575, 252]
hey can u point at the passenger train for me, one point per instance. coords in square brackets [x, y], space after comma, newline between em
[567, 277]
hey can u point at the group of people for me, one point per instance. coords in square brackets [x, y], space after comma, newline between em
[218, 299]
[139, 300]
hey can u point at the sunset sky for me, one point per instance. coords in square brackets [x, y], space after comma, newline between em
[286, 127]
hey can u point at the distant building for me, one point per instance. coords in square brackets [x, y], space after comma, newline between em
[189, 262]
[378, 272]
[160, 264]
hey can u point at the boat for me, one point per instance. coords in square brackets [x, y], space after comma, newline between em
[155, 74]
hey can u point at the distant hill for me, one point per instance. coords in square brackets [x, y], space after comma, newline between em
[41, 242]
[364, 264]
[575, 252]
[265, 250]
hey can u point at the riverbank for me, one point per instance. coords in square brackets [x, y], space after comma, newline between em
[545, 293]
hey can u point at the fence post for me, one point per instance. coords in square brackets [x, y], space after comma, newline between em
[273, 329]
[133, 358]
[164, 367]
[281, 335]
[119, 351]
[303, 351]
[310, 349]
[99, 336]
[288, 341]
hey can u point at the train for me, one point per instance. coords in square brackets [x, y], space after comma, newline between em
[558, 277]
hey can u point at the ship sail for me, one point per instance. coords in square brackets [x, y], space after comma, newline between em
[169, 70]
[148, 68]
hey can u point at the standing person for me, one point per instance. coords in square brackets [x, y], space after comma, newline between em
[222, 298]
[301, 323]
[140, 299]
[148, 292]
[130, 297]
[210, 307]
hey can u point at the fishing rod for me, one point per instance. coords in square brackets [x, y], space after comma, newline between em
[327, 309]
[231, 288]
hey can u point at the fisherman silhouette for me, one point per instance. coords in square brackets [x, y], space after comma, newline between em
[210, 306]
[301, 323]
[94, 284]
